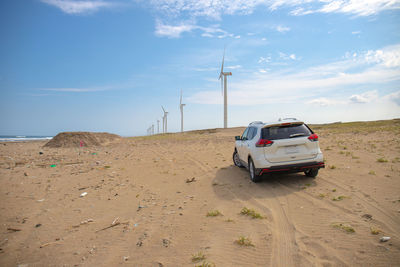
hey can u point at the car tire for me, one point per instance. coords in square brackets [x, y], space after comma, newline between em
[236, 159]
[252, 170]
[311, 173]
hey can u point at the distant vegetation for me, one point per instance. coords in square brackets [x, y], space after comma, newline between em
[359, 127]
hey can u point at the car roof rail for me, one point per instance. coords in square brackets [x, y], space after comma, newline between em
[285, 119]
[256, 122]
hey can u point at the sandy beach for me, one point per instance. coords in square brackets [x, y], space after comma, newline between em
[177, 200]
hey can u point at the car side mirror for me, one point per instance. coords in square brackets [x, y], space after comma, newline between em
[238, 138]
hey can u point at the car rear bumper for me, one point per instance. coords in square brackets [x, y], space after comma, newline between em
[292, 167]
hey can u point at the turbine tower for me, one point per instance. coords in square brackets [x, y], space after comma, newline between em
[181, 107]
[224, 93]
[165, 120]
[158, 126]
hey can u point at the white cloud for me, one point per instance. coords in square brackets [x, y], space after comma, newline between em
[364, 98]
[395, 97]
[234, 67]
[356, 32]
[80, 6]
[215, 9]
[172, 31]
[293, 85]
[390, 57]
[206, 34]
[282, 29]
[351, 7]
[175, 31]
[287, 57]
[299, 11]
[266, 59]
[323, 102]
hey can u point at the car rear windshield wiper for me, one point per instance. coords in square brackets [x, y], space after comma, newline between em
[296, 134]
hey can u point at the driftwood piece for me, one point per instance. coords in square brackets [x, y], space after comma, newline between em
[47, 244]
[114, 223]
[13, 229]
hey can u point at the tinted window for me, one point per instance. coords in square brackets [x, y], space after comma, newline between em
[244, 135]
[283, 132]
[252, 133]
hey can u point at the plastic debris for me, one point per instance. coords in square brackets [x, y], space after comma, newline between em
[53, 165]
[40, 200]
[385, 238]
[83, 194]
[83, 222]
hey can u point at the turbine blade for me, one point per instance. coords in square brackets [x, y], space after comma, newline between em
[181, 98]
[223, 59]
[163, 108]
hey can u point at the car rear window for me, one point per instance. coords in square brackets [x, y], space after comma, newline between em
[284, 132]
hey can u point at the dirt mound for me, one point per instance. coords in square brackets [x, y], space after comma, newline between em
[82, 139]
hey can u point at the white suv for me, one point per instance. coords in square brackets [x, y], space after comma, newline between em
[287, 145]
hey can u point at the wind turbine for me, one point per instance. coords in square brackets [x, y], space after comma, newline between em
[181, 107]
[165, 120]
[158, 126]
[224, 92]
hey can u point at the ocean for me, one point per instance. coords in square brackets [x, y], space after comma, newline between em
[23, 138]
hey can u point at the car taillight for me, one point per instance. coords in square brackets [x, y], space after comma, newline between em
[264, 142]
[313, 137]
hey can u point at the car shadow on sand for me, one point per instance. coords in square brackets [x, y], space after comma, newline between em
[234, 183]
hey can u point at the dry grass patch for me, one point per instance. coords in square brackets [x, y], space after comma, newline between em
[339, 198]
[252, 213]
[199, 256]
[214, 213]
[382, 160]
[344, 227]
[372, 172]
[244, 241]
[205, 264]
[375, 231]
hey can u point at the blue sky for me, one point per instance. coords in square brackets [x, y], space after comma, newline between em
[109, 65]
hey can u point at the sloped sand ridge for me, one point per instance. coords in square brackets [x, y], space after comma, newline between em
[87, 139]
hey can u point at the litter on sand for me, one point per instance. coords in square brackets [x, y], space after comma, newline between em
[83, 194]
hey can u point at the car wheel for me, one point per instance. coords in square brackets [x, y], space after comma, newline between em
[311, 173]
[253, 176]
[236, 160]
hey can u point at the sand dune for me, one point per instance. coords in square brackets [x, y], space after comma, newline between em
[148, 199]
